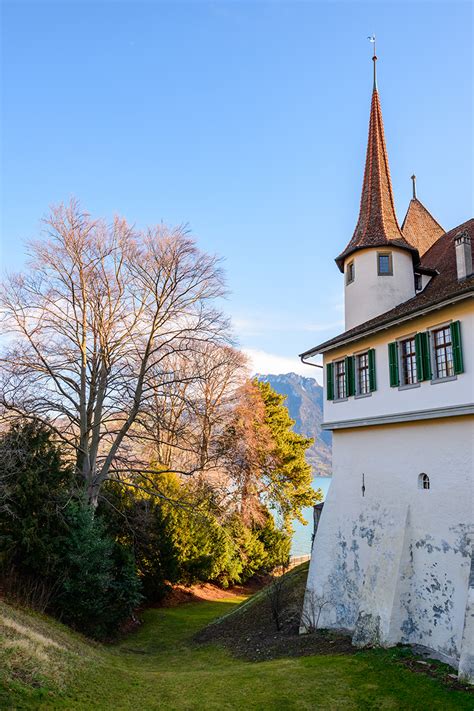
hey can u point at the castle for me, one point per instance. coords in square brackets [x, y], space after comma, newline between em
[392, 560]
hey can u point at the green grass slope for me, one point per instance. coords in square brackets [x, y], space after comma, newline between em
[39, 657]
[160, 666]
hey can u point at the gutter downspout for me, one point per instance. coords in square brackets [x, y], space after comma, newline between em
[315, 365]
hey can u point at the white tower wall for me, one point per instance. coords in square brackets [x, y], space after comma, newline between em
[371, 294]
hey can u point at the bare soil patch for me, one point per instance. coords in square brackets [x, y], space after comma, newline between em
[250, 631]
[266, 642]
[180, 594]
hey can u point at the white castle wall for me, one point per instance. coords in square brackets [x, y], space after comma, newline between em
[394, 564]
[371, 294]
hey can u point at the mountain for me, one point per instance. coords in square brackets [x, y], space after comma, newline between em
[304, 400]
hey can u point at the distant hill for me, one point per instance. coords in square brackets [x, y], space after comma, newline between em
[304, 400]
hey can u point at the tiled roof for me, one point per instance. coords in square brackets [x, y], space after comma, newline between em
[442, 287]
[420, 228]
[377, 225]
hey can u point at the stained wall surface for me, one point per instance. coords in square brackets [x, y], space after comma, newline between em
[392, 563]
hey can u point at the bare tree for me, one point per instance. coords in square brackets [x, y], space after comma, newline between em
[94, 326]
[215, 394]
[183, 422]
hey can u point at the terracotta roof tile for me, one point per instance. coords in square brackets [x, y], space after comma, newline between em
[377, 225]
[442, 287]
[420, 228]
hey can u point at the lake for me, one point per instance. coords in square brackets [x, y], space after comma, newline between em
[301, 544]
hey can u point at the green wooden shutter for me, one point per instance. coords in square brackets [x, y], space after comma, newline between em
[457, 347]
[350, 376]
[423, 359]
[372, 374]
[419, 357]
[393, 364]
[330, 381]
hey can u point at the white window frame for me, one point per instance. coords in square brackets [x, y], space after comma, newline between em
[403, 385]
[435, 379]
[358, 393]
[337, 396]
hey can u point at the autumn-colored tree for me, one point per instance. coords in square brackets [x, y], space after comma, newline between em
[266, 458]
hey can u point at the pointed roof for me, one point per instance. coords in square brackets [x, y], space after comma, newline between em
[377, 225]
[419, 227]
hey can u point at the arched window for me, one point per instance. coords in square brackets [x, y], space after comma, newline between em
[423, 481]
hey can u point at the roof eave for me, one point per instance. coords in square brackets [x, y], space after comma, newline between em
[389, 244]
[446, 301]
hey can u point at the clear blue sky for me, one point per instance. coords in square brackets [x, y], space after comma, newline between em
[247, 120]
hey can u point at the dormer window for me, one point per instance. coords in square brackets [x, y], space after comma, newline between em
[384, 264]
[418, 282]
[350, 273]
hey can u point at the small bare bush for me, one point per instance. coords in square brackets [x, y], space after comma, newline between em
[278, 595]
[312, 608]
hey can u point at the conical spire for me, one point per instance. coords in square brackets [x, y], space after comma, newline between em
[377, 224]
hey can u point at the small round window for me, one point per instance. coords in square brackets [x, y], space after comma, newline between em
[423, 481]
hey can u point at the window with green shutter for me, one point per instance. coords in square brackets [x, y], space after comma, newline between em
[393, 364]
[362, 374]
[330, 381]
[372, 373]
[350, 376]
[457, 347]
[423, 358]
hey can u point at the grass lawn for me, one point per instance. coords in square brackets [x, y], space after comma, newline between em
[160, 667]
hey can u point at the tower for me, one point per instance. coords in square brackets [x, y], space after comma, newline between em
[378, 262]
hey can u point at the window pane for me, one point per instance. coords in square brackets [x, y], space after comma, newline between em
[350, 273]
[340, 379]
[443, 353]
[408, 357]
[384, 263]
[363, 374]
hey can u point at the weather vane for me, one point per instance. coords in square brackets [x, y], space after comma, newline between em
[371, 39]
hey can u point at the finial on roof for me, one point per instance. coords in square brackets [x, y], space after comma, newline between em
[371, 39]
[413, 178]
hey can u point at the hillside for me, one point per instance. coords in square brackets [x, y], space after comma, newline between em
[304, 399]
[43, 665]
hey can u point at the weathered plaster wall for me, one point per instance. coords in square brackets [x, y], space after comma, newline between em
[386, 400]
[371, 294]
[394, 564]
[466, 663]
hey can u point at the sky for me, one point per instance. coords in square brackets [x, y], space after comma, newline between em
[246, 121]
